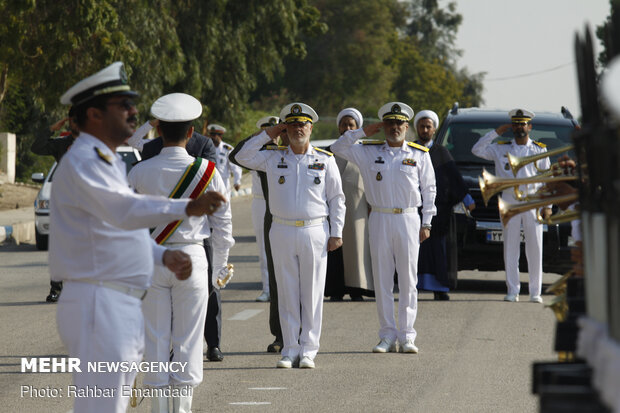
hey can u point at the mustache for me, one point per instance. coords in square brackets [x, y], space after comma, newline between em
[132, 118]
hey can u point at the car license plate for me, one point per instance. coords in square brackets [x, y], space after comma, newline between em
[498, 236]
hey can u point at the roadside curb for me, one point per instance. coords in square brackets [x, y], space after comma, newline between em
[21, 232]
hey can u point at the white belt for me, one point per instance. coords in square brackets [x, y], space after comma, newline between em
[395, 210]
[299, 223]
[134, 292]
[258, 197]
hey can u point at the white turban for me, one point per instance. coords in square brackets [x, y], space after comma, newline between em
[354, 113]
[426, 114]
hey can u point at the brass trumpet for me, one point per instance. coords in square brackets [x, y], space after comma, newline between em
[517, 163]
[559, 286]
[559, 306]
[491, 184]
[564, 216]
[507, 211]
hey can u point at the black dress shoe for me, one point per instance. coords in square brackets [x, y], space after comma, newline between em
[214, 354]
[275, 347]
[336, 298]
[441, 296]
[52, 297]
[357, 298]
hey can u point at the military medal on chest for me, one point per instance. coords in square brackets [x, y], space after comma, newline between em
[317, 180]
[379, 176]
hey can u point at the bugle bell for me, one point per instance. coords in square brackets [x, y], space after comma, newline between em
[491, 184]
[507, 211]
[517, 163]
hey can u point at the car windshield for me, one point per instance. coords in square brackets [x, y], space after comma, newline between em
[460, 137]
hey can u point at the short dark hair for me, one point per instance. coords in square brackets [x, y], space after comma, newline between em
[80, 110]
[174, 131]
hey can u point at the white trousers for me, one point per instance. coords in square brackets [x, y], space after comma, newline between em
[533, 232]
[100, 324]
[258, 221]
[174, 313]
[394, 246]
[300, 262]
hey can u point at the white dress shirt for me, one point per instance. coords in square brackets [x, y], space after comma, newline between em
[301, 187]
[388, 181]
[98, 224]
[159, 176]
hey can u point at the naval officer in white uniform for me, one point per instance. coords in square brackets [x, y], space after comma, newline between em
[496, 151]
[222, 150]
[398, 179]
[175, 311]
[304, 190]
[100, 247]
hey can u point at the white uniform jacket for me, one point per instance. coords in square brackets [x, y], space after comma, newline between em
[225, 167]
[498, 152]
[98, 223]
[393, 177]
[159, 175]
[301, 187]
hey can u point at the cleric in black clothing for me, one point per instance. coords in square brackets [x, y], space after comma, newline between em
[197, 146]
[451, 189]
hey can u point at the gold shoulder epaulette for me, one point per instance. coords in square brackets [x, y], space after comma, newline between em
[372, 142]
[275, 147]
[324, 151]
[227, 146]
[417, 146]
[539, 144]
[104, 157]
[503, 142]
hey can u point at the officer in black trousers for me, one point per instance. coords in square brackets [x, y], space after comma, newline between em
[199, 145]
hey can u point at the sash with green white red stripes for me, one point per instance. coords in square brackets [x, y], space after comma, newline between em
[192, 184]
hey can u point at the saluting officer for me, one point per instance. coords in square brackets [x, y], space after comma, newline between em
[304, 190]
[175, 311]
[222, 150]
[258, 216]
[398, 179]
[101, 247]
[497, 152]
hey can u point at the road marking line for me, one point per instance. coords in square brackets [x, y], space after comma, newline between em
[245, 315]
[267, 388]
[249, 403]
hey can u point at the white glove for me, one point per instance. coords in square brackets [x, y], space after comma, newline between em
[224, 275]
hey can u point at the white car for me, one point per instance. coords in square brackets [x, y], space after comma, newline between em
[41, 204]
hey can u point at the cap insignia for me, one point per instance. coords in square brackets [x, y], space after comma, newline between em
[396, 108]
[296, 109]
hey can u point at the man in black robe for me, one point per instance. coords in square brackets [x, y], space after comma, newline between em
[451, 189]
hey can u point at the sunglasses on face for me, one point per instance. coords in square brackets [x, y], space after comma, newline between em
[126, 104]
[215, 134]
[517, 124]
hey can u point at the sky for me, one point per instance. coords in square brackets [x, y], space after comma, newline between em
[508, 39]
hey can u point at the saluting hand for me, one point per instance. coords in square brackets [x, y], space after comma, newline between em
[274, 131]
[502, 129]
[373, 128]
[56, 126]
[206, 203]
[334, 243]
[179, 263]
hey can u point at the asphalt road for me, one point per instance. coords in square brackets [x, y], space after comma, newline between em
[475, 354]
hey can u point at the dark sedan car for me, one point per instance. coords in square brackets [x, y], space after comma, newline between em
[475, 240]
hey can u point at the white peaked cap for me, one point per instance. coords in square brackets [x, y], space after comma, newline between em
[176, 107]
